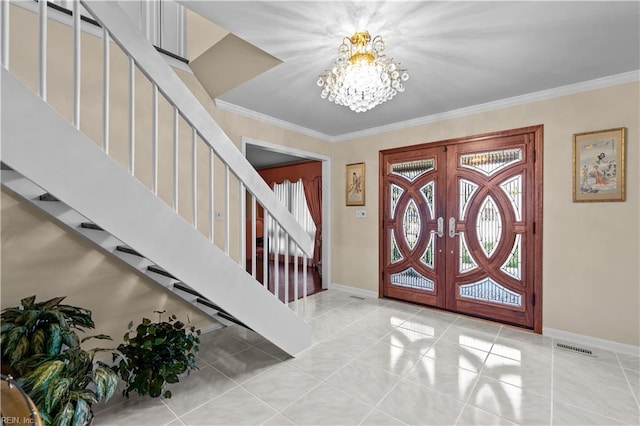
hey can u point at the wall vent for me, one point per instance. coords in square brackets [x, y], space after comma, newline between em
[575, 349]
[357, 297]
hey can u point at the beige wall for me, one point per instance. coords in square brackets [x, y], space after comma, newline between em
[590, 250]
[40, 257]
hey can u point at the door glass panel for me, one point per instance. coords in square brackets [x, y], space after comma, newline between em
[466, 261]
[427, 257]
[490, 291]
[513, 189]
[413, 169]
[467, 189]
[411, 224]
[395, 251]
[489, 226]
[427, 193]
[413, 279]
[513, 265]
[396, 193]
[489, 163]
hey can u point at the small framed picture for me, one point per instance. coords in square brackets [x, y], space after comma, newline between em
[355, 184]
[598, 165]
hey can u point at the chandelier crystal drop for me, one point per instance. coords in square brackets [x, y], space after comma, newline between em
[362, 76]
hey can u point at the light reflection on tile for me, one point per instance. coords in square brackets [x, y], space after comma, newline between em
[443, 377]
[463, 356]
[390, 358]
[529, 374]
[511, 402]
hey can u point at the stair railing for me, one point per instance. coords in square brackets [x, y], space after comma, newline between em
[204, 133]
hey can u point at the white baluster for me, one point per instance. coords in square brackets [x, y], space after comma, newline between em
[76, 63]
[175, 159]
[132, 116]
[265, 248]
[295, 277]
[42, 90]
[4, 8]
[304, 276]
[243, 225]
[276, 260]
[226, 209]
[286, 270]
[211, 200]
[105, 91]
[194, 177]
[154, 139]
[254, 236]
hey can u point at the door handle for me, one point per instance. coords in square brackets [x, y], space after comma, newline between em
[440, 231]
[452, 227]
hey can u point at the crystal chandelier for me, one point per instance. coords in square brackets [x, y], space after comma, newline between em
[363, 76]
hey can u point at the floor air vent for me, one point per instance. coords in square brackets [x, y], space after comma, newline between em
[357, 297]
[575, 349]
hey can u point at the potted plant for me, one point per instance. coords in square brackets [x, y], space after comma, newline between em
[65, 386]
[38, 328]
[155, 354]
[41, 349]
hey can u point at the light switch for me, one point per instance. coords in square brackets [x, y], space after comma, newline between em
[361, 213]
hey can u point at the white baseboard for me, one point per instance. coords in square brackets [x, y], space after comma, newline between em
[354, 290]
[592, 341]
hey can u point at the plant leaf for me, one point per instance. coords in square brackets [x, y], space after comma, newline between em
[97, 336]
[52, 303]
[64, 416]
[27, 302]
[55, 339]
[106, 381]
[82, 413]
[38, 342]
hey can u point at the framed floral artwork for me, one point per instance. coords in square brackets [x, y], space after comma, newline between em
[599, 165]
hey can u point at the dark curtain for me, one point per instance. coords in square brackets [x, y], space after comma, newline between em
[313, 194]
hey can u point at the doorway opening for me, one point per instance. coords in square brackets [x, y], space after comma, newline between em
[294, 175]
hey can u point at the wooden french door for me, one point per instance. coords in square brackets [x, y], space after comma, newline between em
[461, 225]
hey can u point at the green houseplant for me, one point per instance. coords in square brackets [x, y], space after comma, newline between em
[41, 349]
[65, 386]
[39, 328]
[155, 354]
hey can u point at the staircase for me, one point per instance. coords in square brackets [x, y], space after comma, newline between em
[53, 163]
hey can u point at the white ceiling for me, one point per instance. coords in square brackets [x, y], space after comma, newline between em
[459, 54]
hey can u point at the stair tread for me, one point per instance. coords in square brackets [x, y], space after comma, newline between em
[128, 250]
[91, 225]
[47, 197]
[158, 270]
[183, 287]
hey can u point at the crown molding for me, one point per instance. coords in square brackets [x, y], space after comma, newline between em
[557, 92]
[227, 106]
[585, 86]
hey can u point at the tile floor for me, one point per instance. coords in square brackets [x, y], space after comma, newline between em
[381, 362]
